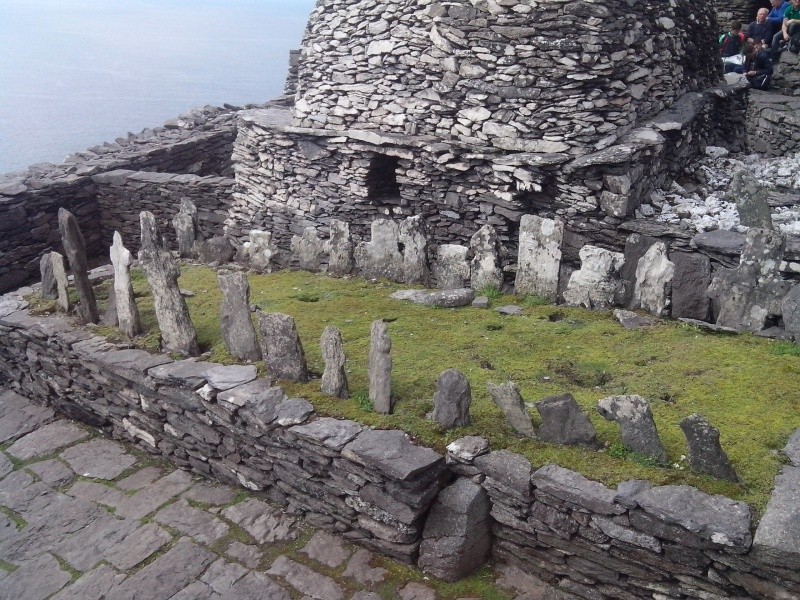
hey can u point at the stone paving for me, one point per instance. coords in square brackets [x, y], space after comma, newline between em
[84, 518]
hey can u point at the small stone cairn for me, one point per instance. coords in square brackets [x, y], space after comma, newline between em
[235, 323]
[177, 332]
[75, 248]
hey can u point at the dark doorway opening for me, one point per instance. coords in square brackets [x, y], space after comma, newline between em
[382, 186]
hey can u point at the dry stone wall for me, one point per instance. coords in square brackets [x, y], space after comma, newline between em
[555, 76]
[199, 143]
[376, 487]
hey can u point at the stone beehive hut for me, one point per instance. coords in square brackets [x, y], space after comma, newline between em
[474, 112]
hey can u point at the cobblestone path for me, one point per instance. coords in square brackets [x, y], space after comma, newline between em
[85, 518]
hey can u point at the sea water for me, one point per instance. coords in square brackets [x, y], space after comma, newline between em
[76, 73]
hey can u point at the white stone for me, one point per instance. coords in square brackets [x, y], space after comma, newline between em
[654, 274]
[596, 284]
[539, 260]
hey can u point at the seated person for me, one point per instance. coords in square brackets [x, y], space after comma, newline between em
[775, 16]
[760, 30]
[757, 66]
[730, 44]
[789, 26]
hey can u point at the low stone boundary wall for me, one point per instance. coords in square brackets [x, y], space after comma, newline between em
[123, 194]
[376, 487]
[773, 124]
[198, 143]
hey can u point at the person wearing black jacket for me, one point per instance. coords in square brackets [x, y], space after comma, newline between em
[760, 30]
[757, 66]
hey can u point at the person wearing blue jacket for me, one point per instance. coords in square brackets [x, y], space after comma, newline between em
[775, 19]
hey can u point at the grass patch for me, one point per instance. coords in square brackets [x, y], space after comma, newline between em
[532, 300]
[744, 385]
[492, 292]
[7, 567]
[15, 517]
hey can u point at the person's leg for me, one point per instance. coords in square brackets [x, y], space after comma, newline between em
[776, 43]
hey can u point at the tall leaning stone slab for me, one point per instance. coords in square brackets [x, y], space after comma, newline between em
[75, 249]
[539, 258]
[415, 251]
[334, 378]
[127, 311]
[706, 455]
[484, 267]
[234, 322]
[49, 285]
[340, 249]
[380, 368]
[62, 282]
[177, 331]
[636, 423]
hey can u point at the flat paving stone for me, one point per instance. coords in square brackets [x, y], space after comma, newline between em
[87, 547]
[167, 575]
[196, 590]
[306, 581]
[138, 546]
[140, 479]
[197, 524]
[53, 472]
[257, 586]
[92, 585]
[247, 554]
[161, 491]
[366, 596]
[359, 569]
[265, 523]
[99, 459]
[327, 550]
[5, 465]
[46, 440]
[207, 493]
[222, 575]
[35, 580]
[417, 591]
[91, 491]
[19, 417]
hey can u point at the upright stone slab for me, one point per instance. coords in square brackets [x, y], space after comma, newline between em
[380, 368]
[49, 284]
[596, 284]
[508, 399]
[283, 351]
[110, 317]
[340, 249]
[636, 246]
[380, 258]
[309, 250]
[62, 282]
[127, 311]
[177, 331]
[415, 251]
[539, 260]
[215, 251]
[484, 266]
[261, 251]
[457, 535]
[706, 455]
[452, 400]
[790, 308]
[751, 200]
[689, 286]
[187, 228]
[777, 539]
[654, 275]
[235, 323]
[75, 249]
[635, 420]
[334, 378]
[564, 422]
[452, 269]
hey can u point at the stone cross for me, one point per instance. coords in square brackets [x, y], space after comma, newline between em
[127, 311]
[706, 455]
[235, 323]
[452, 400]
[635, 420]
[75, 249]
[484, 269]
[49, 284]
[334, 378]
[508, 399]
[539, 260]
[187, 228]
[340, 248]
[380, 368]
[283, 351]
[177, 332]
[62, 282]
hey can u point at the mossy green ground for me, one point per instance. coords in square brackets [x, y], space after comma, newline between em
[749, 388]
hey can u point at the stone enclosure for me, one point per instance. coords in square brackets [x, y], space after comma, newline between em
[462, 145]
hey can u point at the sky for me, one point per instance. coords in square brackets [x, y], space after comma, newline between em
[75, 73]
